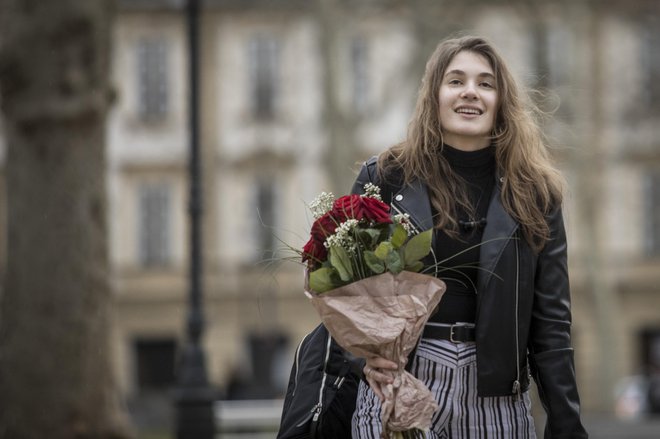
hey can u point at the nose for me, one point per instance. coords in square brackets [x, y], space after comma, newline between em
[469, 92]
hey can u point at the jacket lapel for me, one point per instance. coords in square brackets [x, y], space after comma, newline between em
[500, 228]
[413, 199]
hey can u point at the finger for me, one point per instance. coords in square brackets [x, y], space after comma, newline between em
[376, 375]
[366, 370]
[373, 378]
[375, 386]
[381, 363]
[381, 377]
[378, 393]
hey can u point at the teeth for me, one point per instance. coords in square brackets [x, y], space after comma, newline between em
[468, 111]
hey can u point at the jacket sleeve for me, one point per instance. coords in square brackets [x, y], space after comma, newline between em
[551, 354]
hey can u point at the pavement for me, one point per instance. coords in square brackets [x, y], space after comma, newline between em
[237, 418]
[604, 427]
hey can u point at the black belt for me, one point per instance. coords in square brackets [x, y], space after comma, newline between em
[459, 333]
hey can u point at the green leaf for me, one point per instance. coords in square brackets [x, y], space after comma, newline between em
[368, 236]
[321, 281]
[399, 236]
[374, 264]
[394, 263]
[383, 250]
[384, 233]
[418, 247]
[341, 262]
[415, 267]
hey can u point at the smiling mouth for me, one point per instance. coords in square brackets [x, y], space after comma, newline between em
[465, 110]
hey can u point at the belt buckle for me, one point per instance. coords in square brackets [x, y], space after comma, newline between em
[457, 325]
[451, 334]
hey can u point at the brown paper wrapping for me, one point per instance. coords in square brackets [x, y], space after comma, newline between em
[384, 316]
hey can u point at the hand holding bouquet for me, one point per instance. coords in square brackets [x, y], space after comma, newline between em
[363, 279]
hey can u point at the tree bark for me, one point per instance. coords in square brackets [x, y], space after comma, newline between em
[55, 371]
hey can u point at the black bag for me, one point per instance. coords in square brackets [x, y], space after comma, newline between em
[320, 397]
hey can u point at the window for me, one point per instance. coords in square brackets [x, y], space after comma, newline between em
[653, 212]
[552, 54]
[152, 79]
[540, 55]
[265, 230]
[359, 70]
[154, 225]
[264, 373]
[155, 360]
[263, 64]
[559, 55]
[650, 343]
[650, 63]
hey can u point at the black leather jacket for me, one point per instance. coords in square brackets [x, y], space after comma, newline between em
[523, 305]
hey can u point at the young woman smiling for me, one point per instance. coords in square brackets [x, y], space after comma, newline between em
[475, 168]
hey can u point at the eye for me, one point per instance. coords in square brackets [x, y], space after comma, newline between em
[487, 85]
[454, 82]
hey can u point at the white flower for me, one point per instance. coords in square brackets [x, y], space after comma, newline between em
[343, 236]
[372, 191]
[404, 220]
[322, 204]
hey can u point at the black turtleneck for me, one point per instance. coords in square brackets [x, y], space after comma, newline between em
[477, 168]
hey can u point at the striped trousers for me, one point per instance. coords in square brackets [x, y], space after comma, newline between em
[450, 372]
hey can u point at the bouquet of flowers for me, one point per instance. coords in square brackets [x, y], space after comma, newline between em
[363, 279]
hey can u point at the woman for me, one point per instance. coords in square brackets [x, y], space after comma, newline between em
[475, 168]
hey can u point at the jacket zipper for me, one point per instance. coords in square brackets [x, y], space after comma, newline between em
[516, 384]
[297, 364]
[319, 406]
[315, 412]
[325, 376]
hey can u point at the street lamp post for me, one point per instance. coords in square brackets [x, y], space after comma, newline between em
[194, 397]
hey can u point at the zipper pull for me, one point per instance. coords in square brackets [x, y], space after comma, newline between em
[317, 413]
[516, 390]
[314, 427]
[313, 414]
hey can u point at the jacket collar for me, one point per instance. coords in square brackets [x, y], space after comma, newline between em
[413, 199]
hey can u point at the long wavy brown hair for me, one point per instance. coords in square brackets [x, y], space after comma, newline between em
[531, 186]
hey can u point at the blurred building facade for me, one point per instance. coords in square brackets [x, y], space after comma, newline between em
[294, 94]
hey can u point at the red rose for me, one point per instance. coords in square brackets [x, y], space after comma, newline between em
[346, 207]
[359, 208]
[376, 211]
[323, 227]
[314, 251]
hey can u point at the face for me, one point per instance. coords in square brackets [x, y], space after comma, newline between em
[468, 102]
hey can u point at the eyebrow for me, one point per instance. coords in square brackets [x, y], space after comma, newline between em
[461, 72]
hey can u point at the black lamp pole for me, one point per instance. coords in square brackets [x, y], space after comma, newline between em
[194, 397]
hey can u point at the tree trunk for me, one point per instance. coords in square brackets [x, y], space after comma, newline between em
[55, 371]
